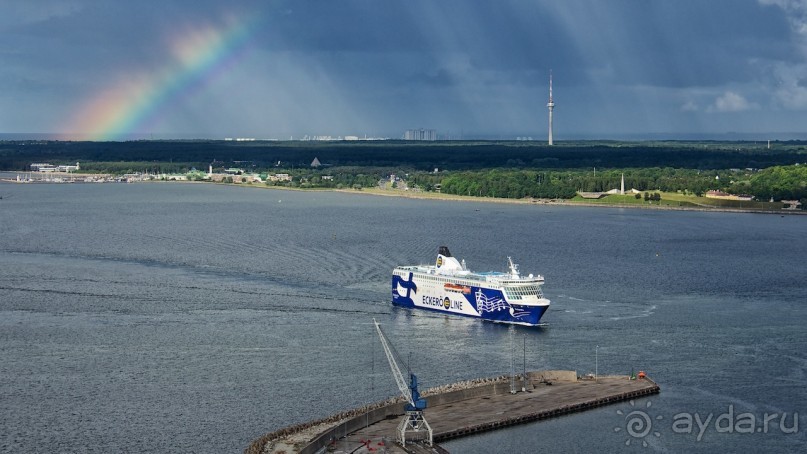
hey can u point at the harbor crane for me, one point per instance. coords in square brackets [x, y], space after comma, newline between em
[413, 421]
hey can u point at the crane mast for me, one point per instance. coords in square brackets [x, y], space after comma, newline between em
[413, 421]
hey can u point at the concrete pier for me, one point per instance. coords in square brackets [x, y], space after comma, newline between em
[458, 410]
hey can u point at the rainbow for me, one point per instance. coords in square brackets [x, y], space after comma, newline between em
[136, 103]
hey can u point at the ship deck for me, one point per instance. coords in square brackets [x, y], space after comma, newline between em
[497, 277]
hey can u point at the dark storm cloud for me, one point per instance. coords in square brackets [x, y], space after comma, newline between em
[341, 27]
[387, 65]
[685, 43]
[84, 47]
[699, 43]
[494, 37]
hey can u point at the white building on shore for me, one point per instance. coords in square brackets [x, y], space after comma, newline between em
[45, 167]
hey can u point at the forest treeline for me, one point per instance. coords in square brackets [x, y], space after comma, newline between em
[167, 156]
[779, 182]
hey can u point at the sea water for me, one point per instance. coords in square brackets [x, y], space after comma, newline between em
[173, 317]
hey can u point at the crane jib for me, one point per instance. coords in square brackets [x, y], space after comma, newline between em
[408, 391]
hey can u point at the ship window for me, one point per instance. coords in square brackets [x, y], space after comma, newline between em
[519, 291]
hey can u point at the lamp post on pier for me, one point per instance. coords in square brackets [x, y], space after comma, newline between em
[596, 363]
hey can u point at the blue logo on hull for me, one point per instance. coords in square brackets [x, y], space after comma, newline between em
[409, 285]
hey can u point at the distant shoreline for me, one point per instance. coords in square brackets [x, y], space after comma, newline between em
[530, 201]
[465, 198]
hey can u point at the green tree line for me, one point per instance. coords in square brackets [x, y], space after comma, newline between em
[779, 183]
[564, 184]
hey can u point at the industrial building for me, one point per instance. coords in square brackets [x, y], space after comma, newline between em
[420, 134]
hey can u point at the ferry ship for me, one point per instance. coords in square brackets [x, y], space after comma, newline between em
[448, 287]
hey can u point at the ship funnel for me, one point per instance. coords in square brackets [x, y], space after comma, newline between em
[445, 262]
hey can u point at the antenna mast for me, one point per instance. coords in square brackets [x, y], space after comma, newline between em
[550, 105]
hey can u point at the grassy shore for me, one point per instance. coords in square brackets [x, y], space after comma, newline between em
[678, 200]
[669, 201]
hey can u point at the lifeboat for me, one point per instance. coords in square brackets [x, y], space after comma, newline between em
[457, 288]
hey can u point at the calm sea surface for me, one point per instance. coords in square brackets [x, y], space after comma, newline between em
[194, 317]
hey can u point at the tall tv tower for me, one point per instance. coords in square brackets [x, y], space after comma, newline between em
[550, 105]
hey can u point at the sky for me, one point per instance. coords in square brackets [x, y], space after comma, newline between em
[109, 70]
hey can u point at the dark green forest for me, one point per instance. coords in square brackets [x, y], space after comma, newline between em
[450, 155]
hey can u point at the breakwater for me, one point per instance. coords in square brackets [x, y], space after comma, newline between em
[461, 409]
